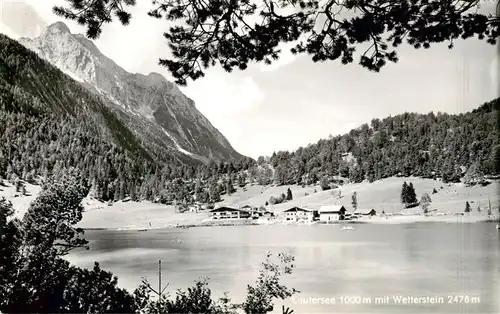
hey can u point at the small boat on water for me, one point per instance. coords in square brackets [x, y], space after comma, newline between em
[347, 228]
[142, 230]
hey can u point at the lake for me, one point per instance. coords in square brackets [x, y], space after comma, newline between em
[364, 270]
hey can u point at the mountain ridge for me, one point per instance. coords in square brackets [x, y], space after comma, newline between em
[151, 106]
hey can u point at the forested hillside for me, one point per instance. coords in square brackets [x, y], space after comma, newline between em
[427, 145]
[448, 147]
[49, 122]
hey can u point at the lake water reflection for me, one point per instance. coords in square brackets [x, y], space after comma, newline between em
[351, 266]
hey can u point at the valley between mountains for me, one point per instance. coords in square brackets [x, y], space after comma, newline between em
[147, 154]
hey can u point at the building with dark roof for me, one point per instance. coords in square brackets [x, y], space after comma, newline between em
[332, 213]
[297, 214]
[365, 212]
[225, 212]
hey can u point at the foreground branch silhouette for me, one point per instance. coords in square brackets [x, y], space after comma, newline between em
[233, 33]
[34, 278]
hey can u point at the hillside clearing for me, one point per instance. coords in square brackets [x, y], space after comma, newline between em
[384, 195]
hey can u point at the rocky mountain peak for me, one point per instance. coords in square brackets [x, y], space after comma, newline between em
[88, 44]
[58, 27]
[148, 103]
[157, 77]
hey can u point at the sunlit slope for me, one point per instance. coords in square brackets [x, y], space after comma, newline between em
[380, 195]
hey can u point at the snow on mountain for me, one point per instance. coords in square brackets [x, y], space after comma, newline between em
[154, 108]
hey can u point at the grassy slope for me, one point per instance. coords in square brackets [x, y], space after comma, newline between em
[20, 203]
[100, 215]
[137, 215]
[380, 195]
[257, 195]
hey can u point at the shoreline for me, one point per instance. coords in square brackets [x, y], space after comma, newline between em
[383, 195]
[403, 219]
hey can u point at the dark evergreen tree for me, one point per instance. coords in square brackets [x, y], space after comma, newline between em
[324, 184]
[404, 193]
[214, 192]
[354, 200]
[289, 195]
[85, 287]
[408, 194]
[241, 180]
[10, 251]
[121, 191]
[356, 174]
[412, 195]
[467, 207]
[19, 185]
[230, 188]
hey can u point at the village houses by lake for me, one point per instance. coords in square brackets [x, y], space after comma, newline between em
[325, 214]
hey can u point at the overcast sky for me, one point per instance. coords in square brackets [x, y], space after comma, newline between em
[294, 102]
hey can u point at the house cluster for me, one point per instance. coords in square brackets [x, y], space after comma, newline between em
[295, 214]
[325, 214]
[246, 211]
[339, 212]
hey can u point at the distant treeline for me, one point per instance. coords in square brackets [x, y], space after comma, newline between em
[425, 145]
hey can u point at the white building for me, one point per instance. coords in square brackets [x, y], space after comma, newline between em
[365, 212]
[331, 213]
[229, 213]
[299, 214]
